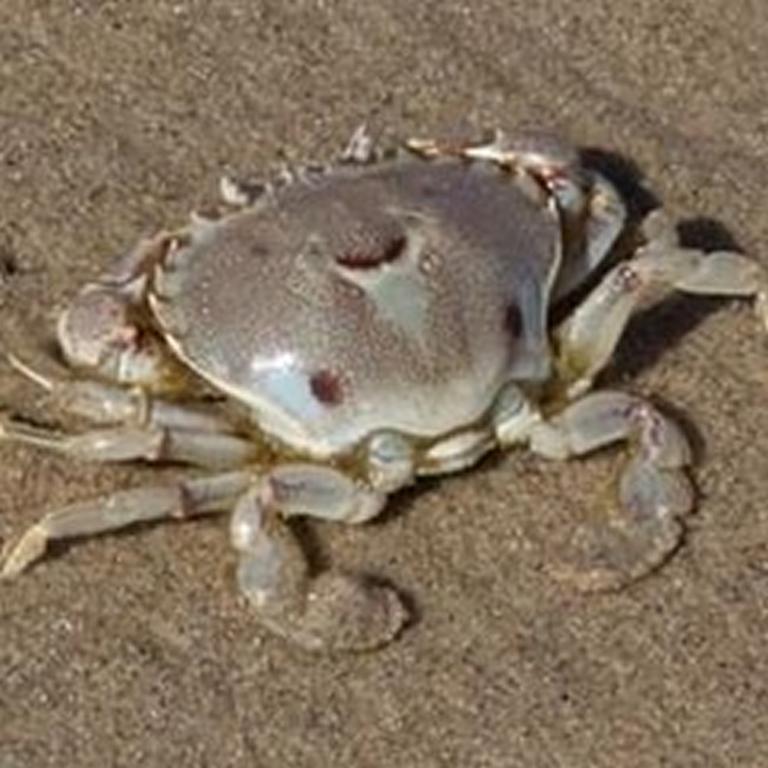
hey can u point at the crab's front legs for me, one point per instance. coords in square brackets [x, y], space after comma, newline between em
[588, 338]
[109, 404]
[329, 611]
[128, 443]
[653, 490]
[137, 425]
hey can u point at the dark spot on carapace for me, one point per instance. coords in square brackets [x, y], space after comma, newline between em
[326, 387]
[513, 321]
[374, 255]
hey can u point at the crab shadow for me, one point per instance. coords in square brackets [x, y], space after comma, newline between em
[655, 330]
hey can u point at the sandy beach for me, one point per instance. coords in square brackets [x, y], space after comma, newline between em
[117, 118]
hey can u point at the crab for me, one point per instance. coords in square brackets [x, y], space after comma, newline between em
[325, 340]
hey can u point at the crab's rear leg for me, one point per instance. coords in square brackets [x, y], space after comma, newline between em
[187, 498]
[653, 489]
[329, 611]
[587, 339]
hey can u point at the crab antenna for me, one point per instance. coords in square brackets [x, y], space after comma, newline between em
[29, 373]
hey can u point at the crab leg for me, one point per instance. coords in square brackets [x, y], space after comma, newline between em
[330, 611]
[654, 491]
[589, 336]
[360, 148]
[106, 404]
[124, 508]
[204, 449]
[240, 193]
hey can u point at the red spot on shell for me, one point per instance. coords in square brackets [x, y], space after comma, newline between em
[373, 256]
[326, 387]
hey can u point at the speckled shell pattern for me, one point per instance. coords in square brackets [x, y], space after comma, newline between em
[396, 296]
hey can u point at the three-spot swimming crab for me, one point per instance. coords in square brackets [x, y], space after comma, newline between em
[326, 341]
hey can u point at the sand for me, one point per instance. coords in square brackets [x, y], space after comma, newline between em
[134, 649]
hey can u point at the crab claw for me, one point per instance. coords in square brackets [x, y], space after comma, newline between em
[654, 492]
[328, 612]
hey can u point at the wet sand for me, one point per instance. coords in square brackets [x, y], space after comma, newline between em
[134, 649]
